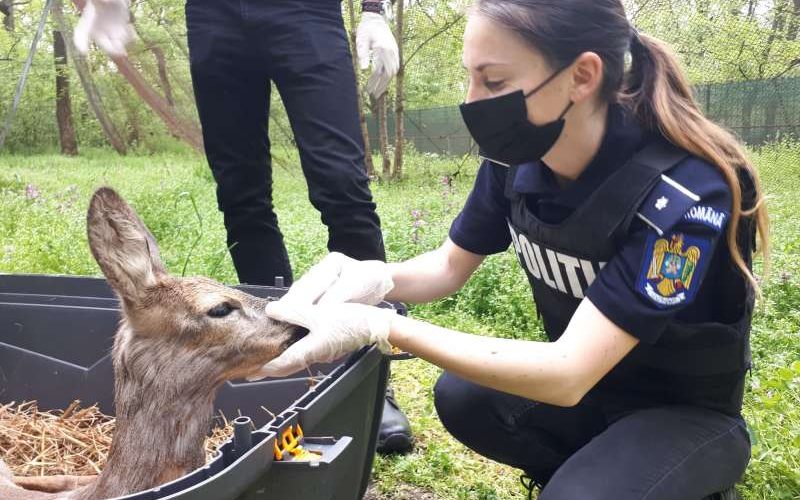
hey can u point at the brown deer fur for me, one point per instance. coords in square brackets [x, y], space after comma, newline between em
[172, 351]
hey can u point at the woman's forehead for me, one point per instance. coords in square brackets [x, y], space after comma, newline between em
[489, 44]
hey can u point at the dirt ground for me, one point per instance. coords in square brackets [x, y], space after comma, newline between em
[404, 493]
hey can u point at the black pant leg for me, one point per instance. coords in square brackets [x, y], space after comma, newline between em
[668, 453]
[312, 68]
[535, 437]
[232, 92]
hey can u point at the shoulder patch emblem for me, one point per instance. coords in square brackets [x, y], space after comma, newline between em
[671, 268]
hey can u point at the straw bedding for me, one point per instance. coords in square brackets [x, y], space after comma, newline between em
[74, 441]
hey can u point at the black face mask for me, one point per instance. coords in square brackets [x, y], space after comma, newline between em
[502, 131]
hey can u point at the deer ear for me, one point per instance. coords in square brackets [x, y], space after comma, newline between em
[122, 246]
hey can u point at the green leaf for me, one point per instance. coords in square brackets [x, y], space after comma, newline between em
[786, 374]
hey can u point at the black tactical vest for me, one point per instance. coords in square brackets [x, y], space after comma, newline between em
[693, 364]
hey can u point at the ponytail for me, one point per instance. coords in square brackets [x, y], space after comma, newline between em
[659, 94]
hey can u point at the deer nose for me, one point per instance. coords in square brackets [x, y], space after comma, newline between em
[298, 333]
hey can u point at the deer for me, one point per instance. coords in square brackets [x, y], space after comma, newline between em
[178, 340]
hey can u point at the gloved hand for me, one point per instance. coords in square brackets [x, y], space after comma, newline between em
[374, 40]
[334, 330]
[338, 278]
[107, 23]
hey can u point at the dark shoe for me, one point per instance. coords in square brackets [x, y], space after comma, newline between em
[530, 484]
[394, 435]
[729, 494]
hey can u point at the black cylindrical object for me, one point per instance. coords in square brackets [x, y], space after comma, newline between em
[242, 436]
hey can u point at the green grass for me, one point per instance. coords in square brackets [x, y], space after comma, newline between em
[42, 230]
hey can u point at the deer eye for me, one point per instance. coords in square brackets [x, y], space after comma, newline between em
[220, 310]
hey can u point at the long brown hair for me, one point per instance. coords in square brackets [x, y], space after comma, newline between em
[654, 88]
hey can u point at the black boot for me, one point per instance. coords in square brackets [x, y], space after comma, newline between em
[394, 435]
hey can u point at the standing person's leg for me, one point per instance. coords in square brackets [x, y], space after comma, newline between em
[309, 59]
[667, 453]
[313, 71]
[232, 92]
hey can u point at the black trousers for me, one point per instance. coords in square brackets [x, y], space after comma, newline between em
[665, 453]
[238, 48]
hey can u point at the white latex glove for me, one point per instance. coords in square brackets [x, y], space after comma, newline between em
[334, 330]
[374, 40]
[107, 23]
[337, 278]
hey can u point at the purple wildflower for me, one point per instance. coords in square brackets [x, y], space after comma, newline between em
[31, 192]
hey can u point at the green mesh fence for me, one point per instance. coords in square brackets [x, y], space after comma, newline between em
[758, 112]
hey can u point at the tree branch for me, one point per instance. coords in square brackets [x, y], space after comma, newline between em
[789, 67]
[639, 10]
[438, 32]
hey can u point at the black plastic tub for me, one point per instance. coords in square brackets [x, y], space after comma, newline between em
[56, 334]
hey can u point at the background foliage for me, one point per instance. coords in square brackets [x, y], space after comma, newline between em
[718, 41]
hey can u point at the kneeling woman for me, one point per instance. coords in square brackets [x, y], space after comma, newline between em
[633, 217]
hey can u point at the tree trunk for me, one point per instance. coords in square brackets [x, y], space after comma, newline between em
[163, 73]
[134, 134]
[7, 9]
[399, 130]
[751, 9]
[158, 53]
[66, 130]
[794, 26]
[20, 88]
[89, 87]
[362, 119]
[383, 135]
[189, 132]
[778, 24]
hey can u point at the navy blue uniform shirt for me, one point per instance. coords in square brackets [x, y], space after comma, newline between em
[621, 291]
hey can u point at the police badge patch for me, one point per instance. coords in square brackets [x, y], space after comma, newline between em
[672, 268]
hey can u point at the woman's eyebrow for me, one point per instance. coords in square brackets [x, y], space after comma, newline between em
[485, 65]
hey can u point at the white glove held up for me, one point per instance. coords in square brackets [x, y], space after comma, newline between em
[107, 23]
[374, 40]
[334, 330]
[338, 278]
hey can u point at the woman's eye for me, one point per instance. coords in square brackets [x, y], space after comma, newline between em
[494, 85]
[220, 310]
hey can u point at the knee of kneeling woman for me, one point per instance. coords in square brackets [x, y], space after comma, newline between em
[459, 404]
[450, 397]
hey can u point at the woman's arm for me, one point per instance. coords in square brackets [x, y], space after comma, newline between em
[558, 373]
[433, 275]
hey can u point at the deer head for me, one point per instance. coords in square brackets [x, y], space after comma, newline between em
[208, 330]
[179, 339]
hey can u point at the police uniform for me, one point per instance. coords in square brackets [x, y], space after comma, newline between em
[641, 233]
